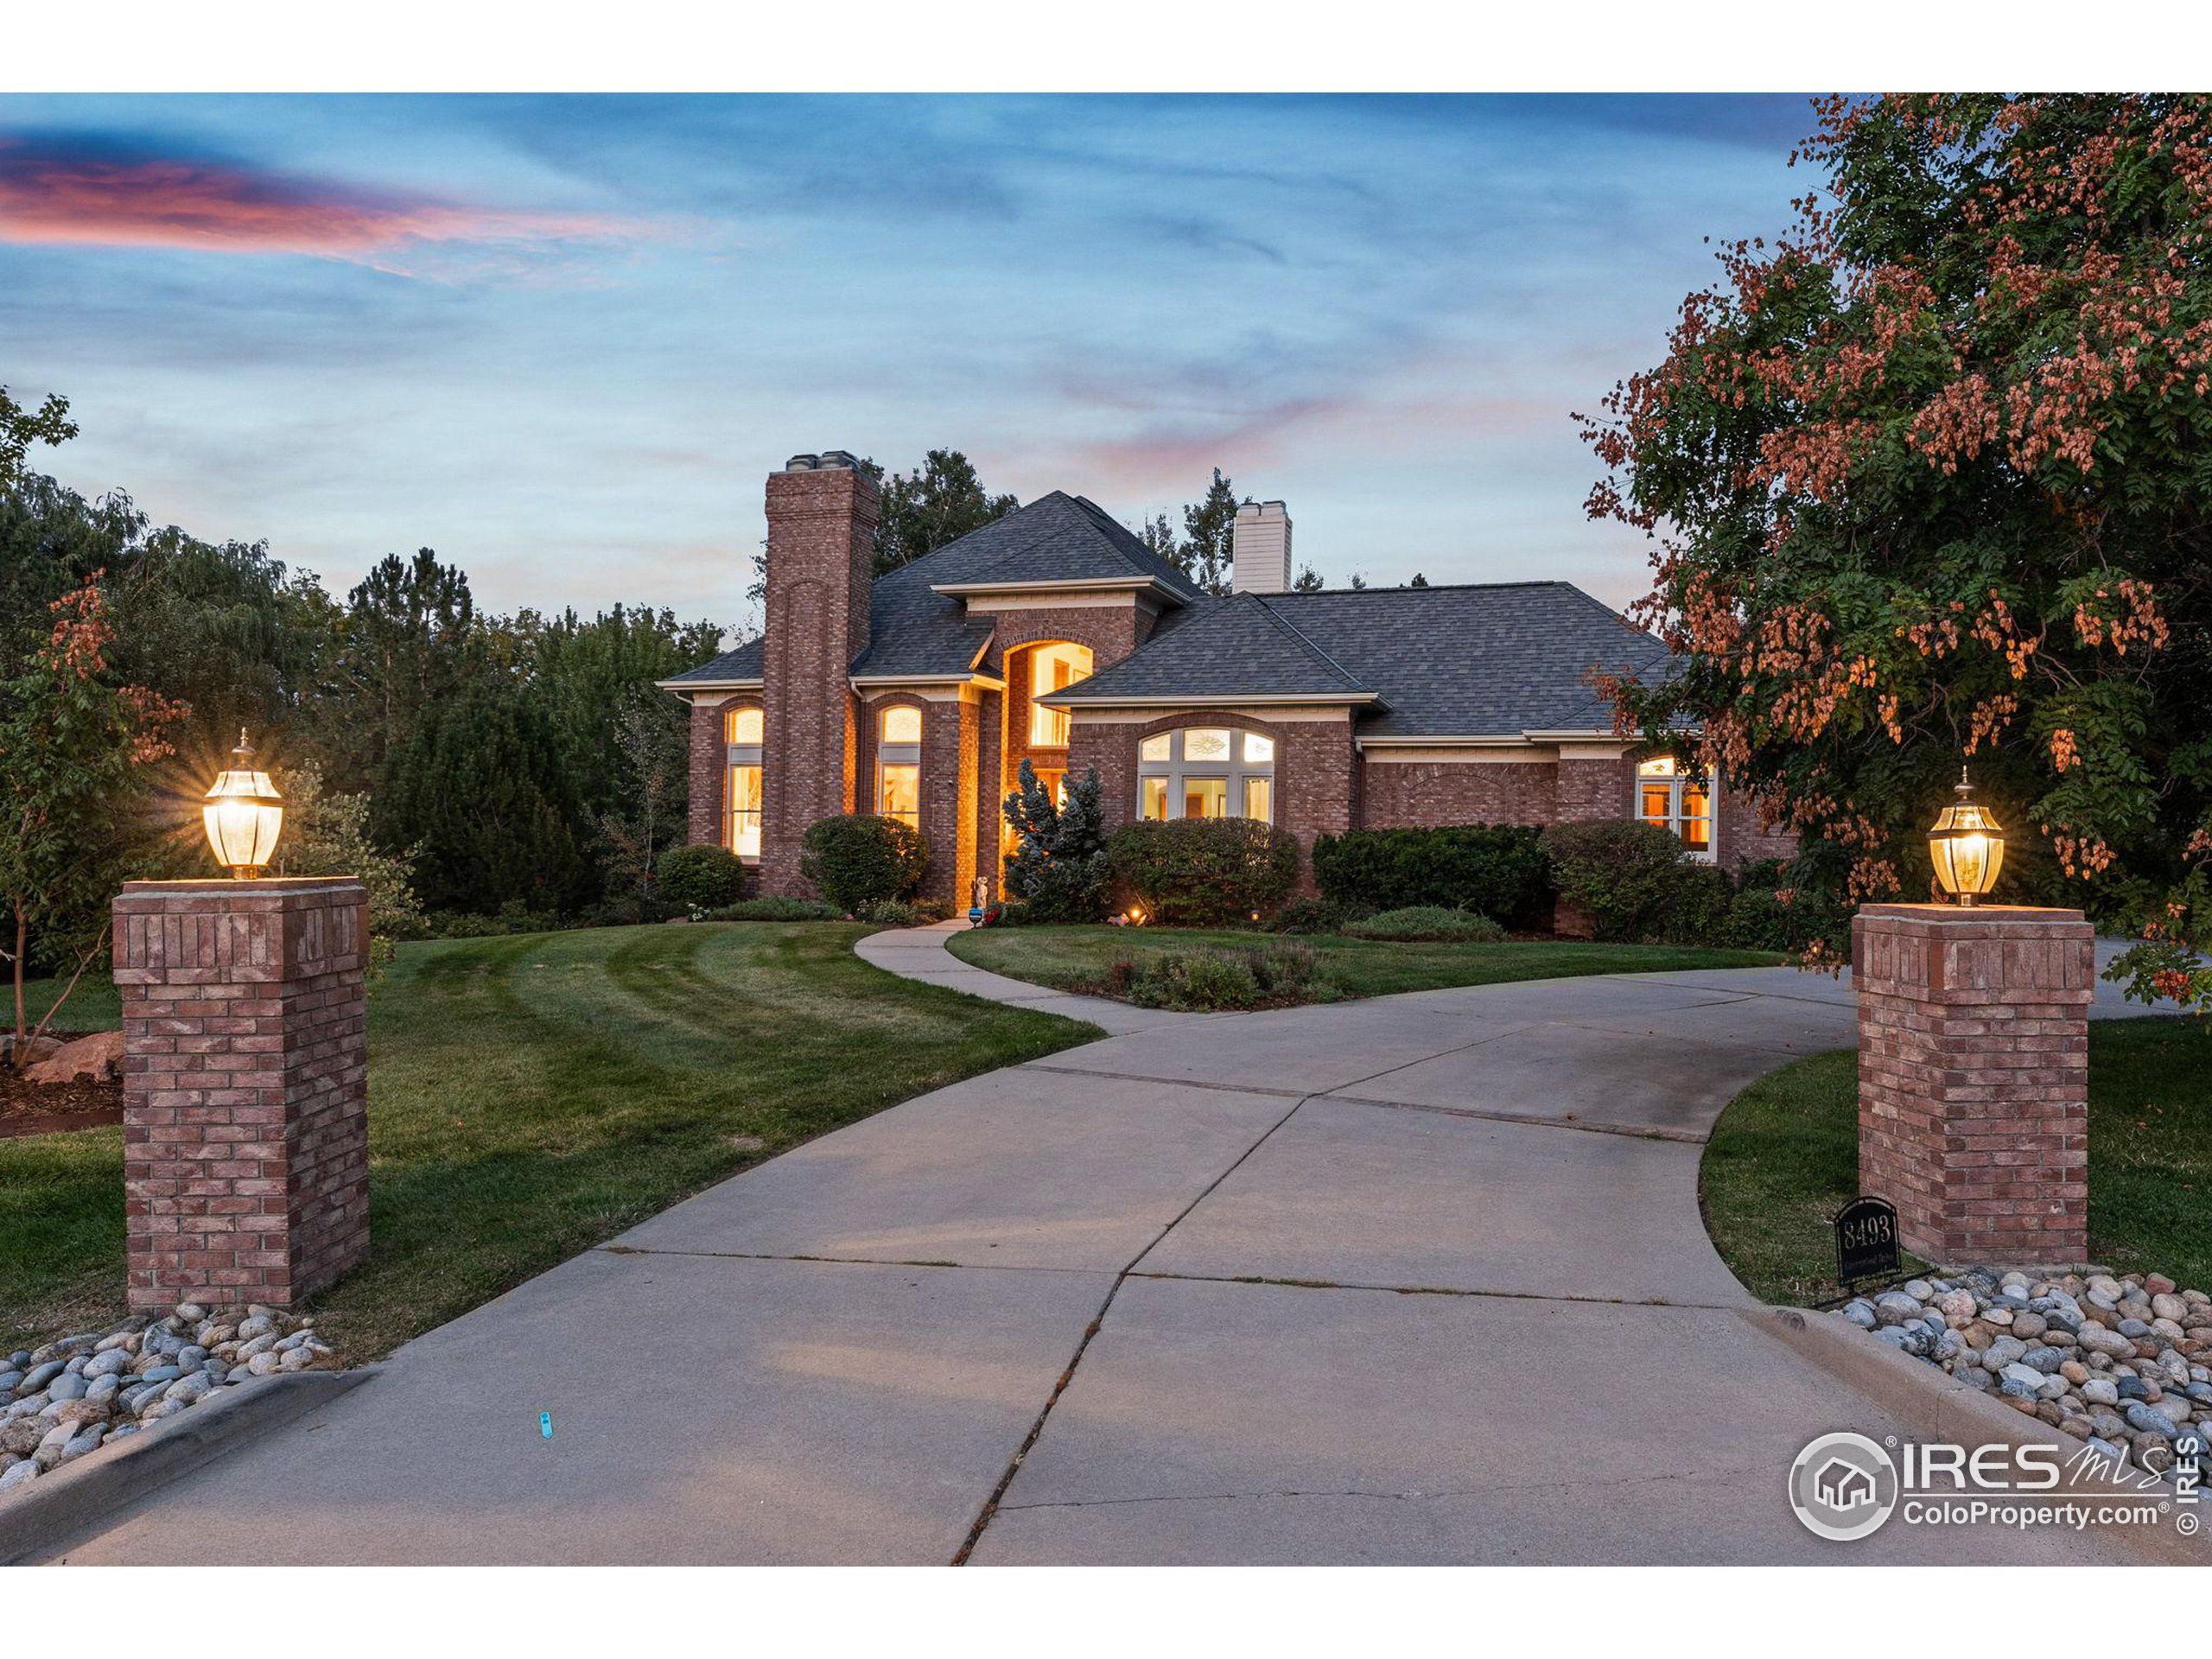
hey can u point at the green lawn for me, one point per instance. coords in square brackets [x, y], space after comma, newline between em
[1075, 958]
[93, 1006]
[531, 1095]
[1784, 1158]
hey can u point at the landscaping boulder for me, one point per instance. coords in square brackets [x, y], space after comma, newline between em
[98, 1057]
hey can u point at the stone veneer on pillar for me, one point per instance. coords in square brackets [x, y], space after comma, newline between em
[1974, 1072]
[822, 514]
[244, 1087]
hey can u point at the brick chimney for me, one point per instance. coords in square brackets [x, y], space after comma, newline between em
[821, 512]
[1260, 546]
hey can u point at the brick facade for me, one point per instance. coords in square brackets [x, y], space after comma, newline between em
[818, 759]
[1440, 794]
[245, 1087]
[821, 531]
[1974, 1078]
[709, 752]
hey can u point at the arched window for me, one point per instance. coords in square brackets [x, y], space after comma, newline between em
[743, 730]
[898, 764]
[1678, 799]
[1206, 772]
[1053, 668]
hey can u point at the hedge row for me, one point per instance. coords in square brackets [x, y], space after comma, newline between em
[1497, 870]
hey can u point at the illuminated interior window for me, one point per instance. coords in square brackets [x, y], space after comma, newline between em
[743, 731]
[898, 793]
[1053, 668]
[742, 833]
[1678, 801]
[902, 723]
[1207, 771]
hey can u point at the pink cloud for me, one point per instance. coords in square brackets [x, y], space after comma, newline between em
[88, 195]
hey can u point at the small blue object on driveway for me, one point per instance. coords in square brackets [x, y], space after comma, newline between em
[545, 1424]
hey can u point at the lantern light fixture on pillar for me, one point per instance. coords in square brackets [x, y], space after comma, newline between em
[243, 815]
[1967, 846]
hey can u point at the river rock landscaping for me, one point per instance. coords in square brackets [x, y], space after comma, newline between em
[2117, 1363]
[79, 1393]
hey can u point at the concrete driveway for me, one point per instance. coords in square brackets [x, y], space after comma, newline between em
[1419, 1279]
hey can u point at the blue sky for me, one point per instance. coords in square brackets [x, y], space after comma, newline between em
[563, 340]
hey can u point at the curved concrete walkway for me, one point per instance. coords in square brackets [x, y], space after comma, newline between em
[1416, 1279]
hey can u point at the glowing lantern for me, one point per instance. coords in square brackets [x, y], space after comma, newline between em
[1967, 845]
[243, 815]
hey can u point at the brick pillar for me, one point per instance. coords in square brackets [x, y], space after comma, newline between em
[244, 1087]
[1974, 1078]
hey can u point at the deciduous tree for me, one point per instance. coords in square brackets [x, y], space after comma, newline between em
[1927, 481]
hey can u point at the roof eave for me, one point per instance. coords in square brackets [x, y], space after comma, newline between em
[680, 686]
[990, 683]
[1229, 700]
[1062, 585]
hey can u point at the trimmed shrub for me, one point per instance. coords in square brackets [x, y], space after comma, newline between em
[700, 877]
[1494, 869]
[903, 913]
[776, 909]
[1771, 912]
[1059, 870]
[1427, 924]
[1273, 976]
[1203, 872]
[631, 910]
[1697, 908]
[859, 858]
[1628, 878]
[1312, 916]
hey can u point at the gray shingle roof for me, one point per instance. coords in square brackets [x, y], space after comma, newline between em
[1235, 647]
[743, 664]
[1488, 661]
[1057, 538]
[914, 630]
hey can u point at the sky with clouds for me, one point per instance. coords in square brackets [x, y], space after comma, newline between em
[563, 339]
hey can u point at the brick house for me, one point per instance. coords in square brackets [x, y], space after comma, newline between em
[1054, 635]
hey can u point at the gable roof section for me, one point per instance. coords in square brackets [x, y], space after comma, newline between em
[1232, 648]
[1488, 661]
[1056, 538]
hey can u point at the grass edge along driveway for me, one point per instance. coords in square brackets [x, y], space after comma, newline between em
[1075, 958]
[532, 1095]
[1784, 1158]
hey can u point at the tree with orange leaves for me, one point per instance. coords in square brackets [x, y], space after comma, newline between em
[74, 745]
[1930, 481]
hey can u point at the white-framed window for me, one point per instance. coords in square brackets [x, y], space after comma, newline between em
[1206, 772]
[1053, 668]
[1678, 800]
[898, 764]
[743, 730]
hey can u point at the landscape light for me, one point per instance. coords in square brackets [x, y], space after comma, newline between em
[1967, 845]
[243, 815]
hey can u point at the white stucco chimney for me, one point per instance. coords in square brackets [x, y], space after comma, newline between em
[1261, 549]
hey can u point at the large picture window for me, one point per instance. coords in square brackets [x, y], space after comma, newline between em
[1053, 668]
[898, 764]
[743, 730]
[1206, 772]
[1677, 800]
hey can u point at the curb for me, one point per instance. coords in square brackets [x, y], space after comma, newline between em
[1932, 1403]
[61, 1505]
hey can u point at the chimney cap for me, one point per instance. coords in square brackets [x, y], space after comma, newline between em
[836, 460]
[802, 463]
